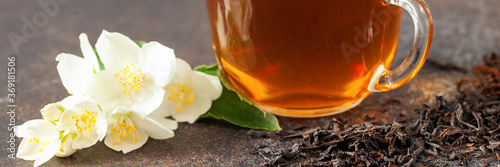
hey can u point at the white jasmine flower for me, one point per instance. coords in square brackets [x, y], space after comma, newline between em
[75, 71]
[189, 94]
[83, 118]
[129, 131]
[40, 141]
[52, 111]
[66, 148]
[133, 77]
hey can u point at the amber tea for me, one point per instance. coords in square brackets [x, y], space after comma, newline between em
[300, 57]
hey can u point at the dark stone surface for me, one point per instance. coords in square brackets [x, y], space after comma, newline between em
[464, 31]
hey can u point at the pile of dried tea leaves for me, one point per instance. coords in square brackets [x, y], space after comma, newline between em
[460, 130]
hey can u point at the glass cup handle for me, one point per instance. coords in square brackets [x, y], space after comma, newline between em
[385, 80]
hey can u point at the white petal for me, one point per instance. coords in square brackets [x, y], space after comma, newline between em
[27, 150]
[206, 84]
[116, 50]
[106, 110]
[49, 151]
[87, 105]
[165, 109]
[182, 71]
[42, 129]
[101, 125]
[116, 111]
[191, 112]
[66, 122]
[85, 139]
[74, 72]
[30, 150]
[168, 123]
[104, 89]
[154, 129]
[66, 148]
[159, 61]
[20, 131]
[147, 100]
[70, 101]
[88, 52]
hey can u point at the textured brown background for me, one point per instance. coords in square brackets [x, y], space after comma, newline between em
[465, 30]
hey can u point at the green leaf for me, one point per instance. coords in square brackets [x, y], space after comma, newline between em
[211, 70]
[231, 108]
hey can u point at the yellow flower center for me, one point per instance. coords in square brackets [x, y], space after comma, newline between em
[131, 79]
[180, 94]
[124, 129]
[42, 144]
[84, 120]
